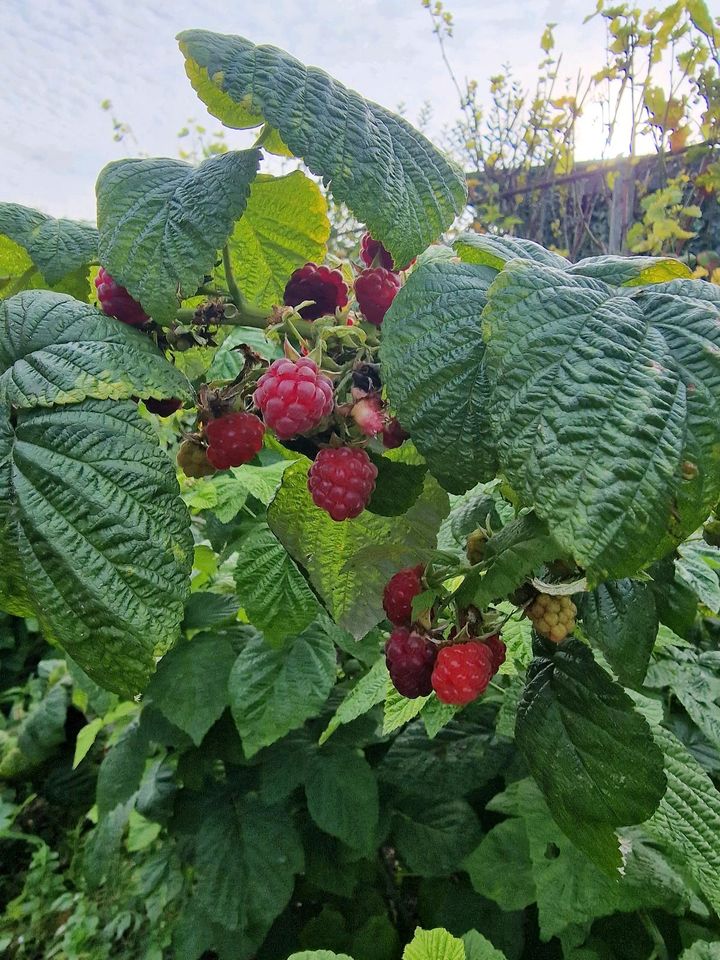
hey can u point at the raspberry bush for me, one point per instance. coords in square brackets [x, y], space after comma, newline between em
[441, 648]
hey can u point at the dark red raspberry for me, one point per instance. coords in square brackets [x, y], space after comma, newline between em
[375, 290]
[293, 397]
[399, 593]
[394, 435]
[462, 672]
[341, 481]
[498, 650]
[117, 302]
[163, 408]
[373, 252]
[410, 657]
[234, 439]
[321, 284]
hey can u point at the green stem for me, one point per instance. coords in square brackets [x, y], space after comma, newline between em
[233, 289]
[653, 932]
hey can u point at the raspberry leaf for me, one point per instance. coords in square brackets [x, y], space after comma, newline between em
[478, 947]
[490, 251]
[390, 176]
[687, 821]
[501, 869]
[37, 251]
[349, 563]
[95, 534]
[696, 567]
[570, 889]
[620, 618]
[285, 225]
[246, 856]
[275, 691]
[591, 754]
[56, 350]
[190, 684]
[397, 487]
[342, 797]
[433, 838]
[162, 222]
[432, 353]
[435, 944]
[631, 271]
[496, 252]
[370, 690]
[605, 404]
[273, 592]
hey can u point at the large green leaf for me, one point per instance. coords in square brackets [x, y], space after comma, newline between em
[695, 681]
[38, 251]
[342, 797]
[501, 869]
[284, 226]
[688, 818]
[389, 175]
[122, 769]
[478, 947]
[697, 566]
[592, 755]
[90, 518]
[349, 563]
[370, 690]
[458, 760]
[620, 618]
[570, 889]
[605, 404]
[435, 944]
[270, 587]
[275, 691]
[494, 252]
[56, 350]
[247, 855]
[433, 838]
[190, 686]
[632, 271]
[162, 222]
[432, 353]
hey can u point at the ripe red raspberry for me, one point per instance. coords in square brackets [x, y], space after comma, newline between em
[341, 481]
[234, 439]
[410, 657]
[293, 397]
[394, 435]
[399, 593]
[498, 650]
[163, 408]
[462, 672]
[372, 251]
[375, 290]
[321, 284]
[117, 302]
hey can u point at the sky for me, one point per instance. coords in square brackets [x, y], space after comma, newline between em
[60, 58]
